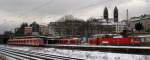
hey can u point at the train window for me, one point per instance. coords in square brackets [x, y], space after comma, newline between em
[137, 39]
[142, 39]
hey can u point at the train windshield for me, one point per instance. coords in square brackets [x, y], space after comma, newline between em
[137, 39]
[142, 39]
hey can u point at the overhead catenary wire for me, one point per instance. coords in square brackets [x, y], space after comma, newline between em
[108, 2]
[36, 8]
[23, 15]
[84, 7]
[105, 3]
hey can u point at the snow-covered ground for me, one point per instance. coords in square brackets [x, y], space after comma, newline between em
[128, 47]
[4, 57]
[87, 55]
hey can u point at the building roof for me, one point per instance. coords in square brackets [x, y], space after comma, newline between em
[142, 17]
[110, 22]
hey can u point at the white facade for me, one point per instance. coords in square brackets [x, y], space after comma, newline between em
[144, 19]
[51, 29]
[119, 26]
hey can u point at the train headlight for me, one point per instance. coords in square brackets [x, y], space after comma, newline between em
[132, 40]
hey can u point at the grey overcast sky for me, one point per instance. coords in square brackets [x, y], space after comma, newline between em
[14, 12]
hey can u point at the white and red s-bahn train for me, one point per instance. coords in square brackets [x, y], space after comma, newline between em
[26, 40]
[41, 41]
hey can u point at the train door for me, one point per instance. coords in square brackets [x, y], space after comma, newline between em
[147, 41]
[136, 41]
[143, 40]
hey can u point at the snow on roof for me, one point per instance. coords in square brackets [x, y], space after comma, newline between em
[105, 34]
[142, 17]
[109, 22]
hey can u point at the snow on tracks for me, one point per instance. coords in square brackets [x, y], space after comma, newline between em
[32, 55]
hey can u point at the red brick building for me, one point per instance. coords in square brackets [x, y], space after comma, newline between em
[28, 31]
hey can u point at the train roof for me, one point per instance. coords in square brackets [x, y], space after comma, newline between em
[106, 34]
[52, 37]
[143, 35]
[26, 37]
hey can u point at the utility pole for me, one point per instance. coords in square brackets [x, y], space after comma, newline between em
[127, 19]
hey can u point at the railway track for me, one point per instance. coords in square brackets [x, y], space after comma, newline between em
[113, 49]
[26, 55]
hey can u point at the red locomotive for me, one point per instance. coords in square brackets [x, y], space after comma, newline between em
[115, 41]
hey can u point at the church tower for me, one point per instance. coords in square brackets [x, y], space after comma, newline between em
[115, 14]
[105, 14]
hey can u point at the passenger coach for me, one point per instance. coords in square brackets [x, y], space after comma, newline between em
[26, 40]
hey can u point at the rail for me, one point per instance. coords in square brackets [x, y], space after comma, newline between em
[26, 55]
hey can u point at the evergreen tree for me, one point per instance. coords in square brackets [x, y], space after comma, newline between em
[139, 26]
[20, 31]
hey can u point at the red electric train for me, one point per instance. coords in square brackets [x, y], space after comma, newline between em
[37, 41]
[71, 41]
[115, 41]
